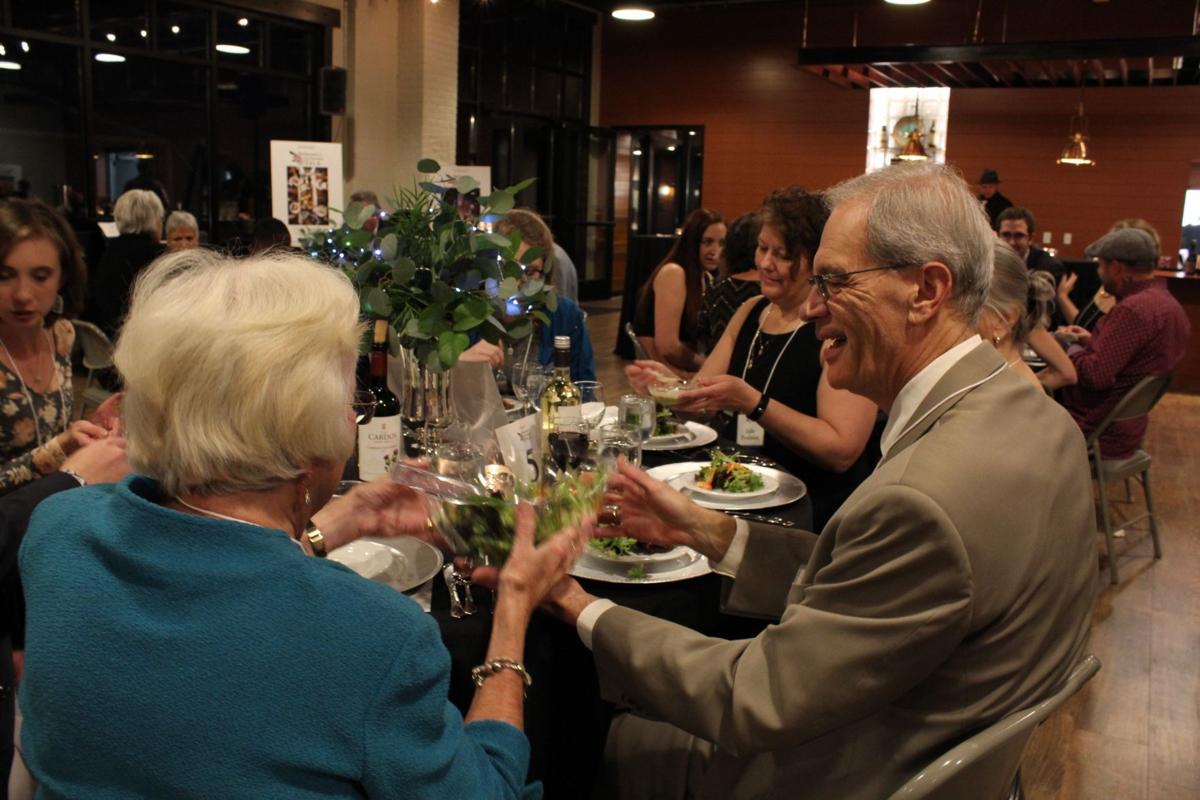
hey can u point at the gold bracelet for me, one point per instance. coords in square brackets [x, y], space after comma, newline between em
[489, 668]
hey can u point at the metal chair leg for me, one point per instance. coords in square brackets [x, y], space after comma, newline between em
[1145, 479]
[1108, 532]
[1128, 492]
[1016, 791]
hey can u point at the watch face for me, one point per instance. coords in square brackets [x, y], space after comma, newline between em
[317, 540]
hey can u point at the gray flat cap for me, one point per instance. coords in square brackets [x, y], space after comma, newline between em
[1124, 244]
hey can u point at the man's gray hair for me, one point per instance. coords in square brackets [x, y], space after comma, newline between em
[138, 211]
[918, 213]
[180, 219]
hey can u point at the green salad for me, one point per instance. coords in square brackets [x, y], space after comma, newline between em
[725, 474]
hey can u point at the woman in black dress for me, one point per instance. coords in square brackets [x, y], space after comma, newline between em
[767, 369]
[666, 319]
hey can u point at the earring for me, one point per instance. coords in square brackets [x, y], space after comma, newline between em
[58, 306]
[996, 340]
[307, 501]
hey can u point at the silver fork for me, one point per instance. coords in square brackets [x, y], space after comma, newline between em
[451, 579]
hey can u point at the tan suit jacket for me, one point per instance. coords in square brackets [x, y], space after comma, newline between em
[953, 587]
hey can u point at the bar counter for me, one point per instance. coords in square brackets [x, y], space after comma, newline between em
[1185, 286]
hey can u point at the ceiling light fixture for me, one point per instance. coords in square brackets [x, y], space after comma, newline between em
[1075, 154]
[3, 50]
[10, 65]
[144, 33]
[637, 152]
[233, 49]
[175, 29]
[633, 13]
[25, 45]
[906, 2]
[112, 37]
[110, 58]
[242, 21]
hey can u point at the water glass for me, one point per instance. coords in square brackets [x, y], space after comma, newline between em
[618, 439]
[639, 412]
[536, 378]
[591, 396]
[459, 460]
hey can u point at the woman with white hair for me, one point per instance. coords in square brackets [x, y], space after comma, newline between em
[185, 616]
[139, 217]
[182, 230]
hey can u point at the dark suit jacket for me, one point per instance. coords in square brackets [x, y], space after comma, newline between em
[994, 205]
[953, 588]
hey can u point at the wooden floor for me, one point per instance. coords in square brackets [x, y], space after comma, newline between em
[1133, 732]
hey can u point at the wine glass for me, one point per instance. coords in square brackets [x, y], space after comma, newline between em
[568, 444]
[462, 461]
[591, 397]
[536, 378]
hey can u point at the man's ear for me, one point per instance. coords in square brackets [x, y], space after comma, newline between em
[933, 289]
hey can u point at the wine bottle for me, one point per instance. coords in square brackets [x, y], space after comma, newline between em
[379, 439]
[561, 402]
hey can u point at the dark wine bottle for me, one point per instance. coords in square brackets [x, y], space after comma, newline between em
[379, 439]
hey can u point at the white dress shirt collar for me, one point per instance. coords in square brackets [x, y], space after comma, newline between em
[918, 388]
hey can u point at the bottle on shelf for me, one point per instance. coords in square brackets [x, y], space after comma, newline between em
[379, 439]
[564, 437]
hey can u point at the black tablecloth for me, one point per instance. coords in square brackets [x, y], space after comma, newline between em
[565, 719]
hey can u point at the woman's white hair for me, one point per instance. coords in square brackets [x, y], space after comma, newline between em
[238, 373]
[1016, 292]
[180, 219]
[918, 213]
[138, 211]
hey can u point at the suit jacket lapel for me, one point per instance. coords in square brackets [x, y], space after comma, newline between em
[971, 368]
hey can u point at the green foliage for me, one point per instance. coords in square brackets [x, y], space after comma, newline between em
[434, 276]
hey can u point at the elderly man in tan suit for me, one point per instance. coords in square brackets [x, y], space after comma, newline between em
[953, 587]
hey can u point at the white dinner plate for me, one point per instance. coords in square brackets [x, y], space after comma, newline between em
[698, 435]
[412, 562]
[659, 568]
[680, 476]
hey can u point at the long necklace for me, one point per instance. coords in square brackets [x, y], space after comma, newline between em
[216, 515]
[756, 350]
[37, 429]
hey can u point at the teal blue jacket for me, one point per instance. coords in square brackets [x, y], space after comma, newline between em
[172, 655]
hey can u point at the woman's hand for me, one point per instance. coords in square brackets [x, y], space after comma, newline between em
[108, 414]
[484, 351]
[533, 573]
[379, 508]
[1065, 284]
[1082, 335]
[653, 512]
[720, 393]
[78, 434]
[105, 461]
[643, 373]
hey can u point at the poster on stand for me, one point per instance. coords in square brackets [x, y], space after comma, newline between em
[306, 185]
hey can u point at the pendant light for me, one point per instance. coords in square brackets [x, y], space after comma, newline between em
[1076, 153]
[913, 149]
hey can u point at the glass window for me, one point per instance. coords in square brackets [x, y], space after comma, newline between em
[183, 30]
[40, 143]
[150, 131]
[49, 16]
[548, 92]
[291, 50]
[123, 23]
[239, 40]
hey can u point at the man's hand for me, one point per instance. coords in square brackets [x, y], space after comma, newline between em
[103, 461]
[379, 508]
[653, 512]
[1082, 335]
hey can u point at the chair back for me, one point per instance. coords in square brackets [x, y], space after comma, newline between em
[1137, 402]
[639, 352]
[984, 766]
[97, 349]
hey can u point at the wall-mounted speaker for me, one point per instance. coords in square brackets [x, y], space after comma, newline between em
[331, 94]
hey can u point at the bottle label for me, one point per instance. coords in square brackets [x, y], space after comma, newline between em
[569, 415]
[378, 447]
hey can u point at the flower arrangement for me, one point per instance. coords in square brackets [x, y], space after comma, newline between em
[435, 271]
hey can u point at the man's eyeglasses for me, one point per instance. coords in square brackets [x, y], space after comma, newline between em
[833, 282]
[1016, 235]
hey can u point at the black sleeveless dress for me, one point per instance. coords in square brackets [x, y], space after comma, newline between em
[795, 386]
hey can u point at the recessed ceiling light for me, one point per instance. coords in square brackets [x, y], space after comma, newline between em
[633, 13]
[3, 50]
[243, 22]
[671, 148]
[112, 37]
[13, 65]
[637, 152]
[691, 133]
[144, 33]
[233, 49]
[110, 58]
[25, 45]
[174, 29]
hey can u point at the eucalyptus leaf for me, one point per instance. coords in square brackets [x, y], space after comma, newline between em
[465, 320]
[551, 301]
[509, 287]
[428, 166]
[393, 341]
[465, 184]
[498, 239]
[404, 270]
[353, 216]
[432, 188]
[389, 245]
[441, 292]
[520, 329]
[531, 255]
[525, 184]
[450, 346]
[378, 300]
[533, 287]
[500, 202]
[541, 315]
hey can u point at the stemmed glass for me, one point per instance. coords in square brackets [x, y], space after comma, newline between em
[536, 378]
[462, 461]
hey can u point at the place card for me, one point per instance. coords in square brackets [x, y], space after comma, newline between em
[521, 447]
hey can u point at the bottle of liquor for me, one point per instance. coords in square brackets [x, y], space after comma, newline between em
[564, 437]
[379, 439]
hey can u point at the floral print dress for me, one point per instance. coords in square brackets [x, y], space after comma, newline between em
[21, 458]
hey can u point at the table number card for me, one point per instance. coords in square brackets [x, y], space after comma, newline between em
[521, 445]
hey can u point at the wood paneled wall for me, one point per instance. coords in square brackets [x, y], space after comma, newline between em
[767, 124]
